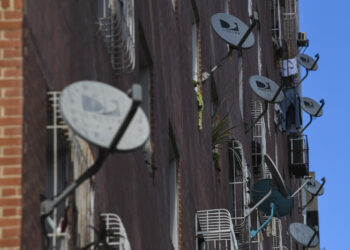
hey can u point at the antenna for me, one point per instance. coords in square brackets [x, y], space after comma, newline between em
[234, 32]
[311, 107]
[304, 234]
[104, 116]
[268, 90]
[308, 63]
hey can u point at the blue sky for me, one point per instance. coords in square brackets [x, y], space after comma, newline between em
[327, 26]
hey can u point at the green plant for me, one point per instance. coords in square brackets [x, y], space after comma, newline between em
[221, 132]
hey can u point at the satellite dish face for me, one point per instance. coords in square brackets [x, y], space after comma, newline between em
[283, 206]
[265, 88]
[95, 111]
[276, 176]
[313, 186]
[310, 106]
[306, 61]
[302, 234]
[231, 30]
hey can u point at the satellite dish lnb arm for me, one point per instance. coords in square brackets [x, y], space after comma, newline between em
[318, 111]
[47, 206]
[255, 18]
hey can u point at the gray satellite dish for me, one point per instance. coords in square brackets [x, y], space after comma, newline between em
[95, 111]
[303, 234]
[311, 107]
[314, 187]
[277, 178]
[307, 62]
[231, 30]
[266, 88]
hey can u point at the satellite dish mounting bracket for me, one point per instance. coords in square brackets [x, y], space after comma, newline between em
[311, 117]
[253, 233]
[307, 70]
[48, 205]
[205, 75]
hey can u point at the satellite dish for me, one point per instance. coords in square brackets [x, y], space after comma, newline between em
[313, 187]
[283, 205]
[89, 108]
[307, 62]
[277, 178]
[311, 107]
[234, 32]
[95, 111]
[303, 234]
[231, 30]
[266, 88]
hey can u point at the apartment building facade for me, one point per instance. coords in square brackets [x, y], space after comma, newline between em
[155, 193]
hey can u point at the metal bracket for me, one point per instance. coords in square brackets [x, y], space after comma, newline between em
[48, 205]
[205, 75]
[307, 70]
[253, 233]
[311, 117]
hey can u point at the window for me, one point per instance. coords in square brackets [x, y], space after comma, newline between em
[239, 194]
[57, 173]
[68, 156]
[173, 194]
[117, 26]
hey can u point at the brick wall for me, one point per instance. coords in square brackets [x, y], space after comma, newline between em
[11, 98]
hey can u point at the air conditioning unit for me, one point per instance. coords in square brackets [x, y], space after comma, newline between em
[299, 155]
[302, 41]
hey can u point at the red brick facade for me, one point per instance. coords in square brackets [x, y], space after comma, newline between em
[11, 99]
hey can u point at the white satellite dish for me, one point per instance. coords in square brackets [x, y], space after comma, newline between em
[231, 30]
[234, 32]
[314, 187]
[95, 111]
[311, 107]
[266, 88]
[307, 62]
